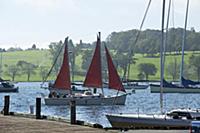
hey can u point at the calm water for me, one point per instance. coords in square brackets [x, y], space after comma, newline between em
[142, 101]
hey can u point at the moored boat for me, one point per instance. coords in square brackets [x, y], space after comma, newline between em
[171, 88]
[135, 85]
[63, 95]
[179, 118]
[7, 86]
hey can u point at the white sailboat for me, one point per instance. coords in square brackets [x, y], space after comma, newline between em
[175, 119]
[93, 79]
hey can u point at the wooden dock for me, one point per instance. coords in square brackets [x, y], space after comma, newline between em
[15, 124]
[21, 124]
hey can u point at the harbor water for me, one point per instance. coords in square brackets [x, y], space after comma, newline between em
[142, 101]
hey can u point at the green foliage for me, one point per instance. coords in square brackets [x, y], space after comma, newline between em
[173, 69]
[56, 55]
[149, 41]
[86, 59]
[12, 71]
[27, 68]
[195, 62]
[147, 69]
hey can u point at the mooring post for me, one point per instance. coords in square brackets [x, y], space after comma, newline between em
[38, 108]
[6, 105]
[73, 111]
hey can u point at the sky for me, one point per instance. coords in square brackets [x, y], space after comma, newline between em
[27, 22]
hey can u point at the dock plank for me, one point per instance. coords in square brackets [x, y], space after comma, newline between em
[12, 124]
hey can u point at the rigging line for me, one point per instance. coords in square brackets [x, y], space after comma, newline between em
[165, 40]
[173, 13]
[142, 23]
[137, 36]
[53, 64]
[114, 100]
[161, 57]
[184, 42]
[166, 35]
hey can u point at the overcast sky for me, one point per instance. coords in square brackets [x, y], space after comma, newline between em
[27, 22]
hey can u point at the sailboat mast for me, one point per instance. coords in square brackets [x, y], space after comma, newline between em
[166, 36]
[183, 44]
[161, 58]
[101, 60]
[1, 67]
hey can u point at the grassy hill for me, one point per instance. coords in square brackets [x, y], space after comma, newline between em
[37, 57]
[42, 58]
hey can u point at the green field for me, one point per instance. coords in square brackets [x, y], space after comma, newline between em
[42, 58]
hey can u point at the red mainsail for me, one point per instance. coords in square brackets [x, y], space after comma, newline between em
[114, 79]
[94, 75]
[63, 78]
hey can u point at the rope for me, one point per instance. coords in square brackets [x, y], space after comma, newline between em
[45, 79]
[138, 34]
[136, 39]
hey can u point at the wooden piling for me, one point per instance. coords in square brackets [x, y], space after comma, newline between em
[73, 112]
[6, 105]
[38, 108]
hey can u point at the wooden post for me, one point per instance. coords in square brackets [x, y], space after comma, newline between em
[6, 105]
[38, 108]
[73, 112]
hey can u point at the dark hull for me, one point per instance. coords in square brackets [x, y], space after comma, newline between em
[120, 121]
[2, 90]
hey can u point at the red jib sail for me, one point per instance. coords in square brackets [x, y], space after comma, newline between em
[114, 79]
[94, 76]
[63, 78]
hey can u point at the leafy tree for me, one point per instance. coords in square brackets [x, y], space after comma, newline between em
[54, 49]
[1, 71]
[33, 46]
[141, 76]
[123, 60]
[195, 62]
[173, 69]
[43, 72]
[147, 69]
[27, 68]
[149, 41]
[14, 49]
[12, 71]
[86, 59]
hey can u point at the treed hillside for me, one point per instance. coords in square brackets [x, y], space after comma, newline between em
[33, 64]
[149, 41]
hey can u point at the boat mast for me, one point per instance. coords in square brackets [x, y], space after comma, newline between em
[101, 61]
[183, 44]
[1, 63]
[166, 35]
[161, 57]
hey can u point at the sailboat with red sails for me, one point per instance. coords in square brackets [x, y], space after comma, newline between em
[93, 80]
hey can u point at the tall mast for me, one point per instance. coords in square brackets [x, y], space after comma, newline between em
[101, 60]
[161, 58]
[166, 36]
[1, 68]
[183, 43]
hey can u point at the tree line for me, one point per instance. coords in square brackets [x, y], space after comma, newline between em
[149, 41]
[120, 44]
